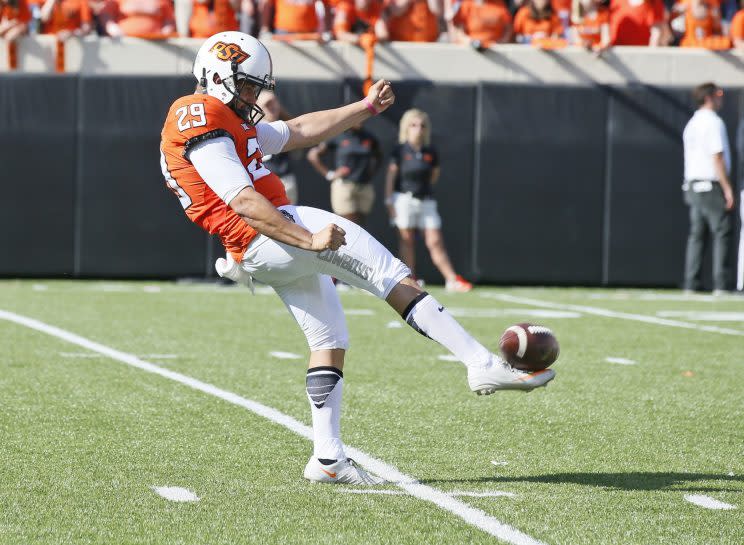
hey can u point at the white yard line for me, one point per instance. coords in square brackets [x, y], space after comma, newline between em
[620, 361]
[501, 312]
[285, 355]
[175, 493]
[459, 493]
[448, 357]
[703, 315]
[606, 313]
[708, 502]
[443, 500]
[371, 491]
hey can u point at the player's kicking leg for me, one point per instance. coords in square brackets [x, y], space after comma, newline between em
[487, 372]
[365, 263]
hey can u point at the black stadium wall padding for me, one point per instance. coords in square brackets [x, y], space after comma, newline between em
[451, 109]
[646, 165]
[38, 116]
[131, 225]
[648, 221]
[540, 184]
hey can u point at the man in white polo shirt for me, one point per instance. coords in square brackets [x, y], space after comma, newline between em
[707, 188]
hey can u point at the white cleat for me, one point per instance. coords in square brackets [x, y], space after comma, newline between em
[499, 375]
[342, 472]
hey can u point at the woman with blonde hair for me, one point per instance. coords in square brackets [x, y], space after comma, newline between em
[411, 176]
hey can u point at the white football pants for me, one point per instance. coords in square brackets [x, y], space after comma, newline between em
[302, 278]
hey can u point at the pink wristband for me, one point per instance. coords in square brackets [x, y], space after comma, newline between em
[370, 106]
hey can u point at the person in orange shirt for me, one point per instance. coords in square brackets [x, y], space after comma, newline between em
[637, 22]
[701, 22]
[66, 18]
[413, 20]
[14, 18]
[536, 20]
[737, 28]
[211, 16]
[590, 25]
[142, 18]
[481, 23]
[562, 9]
[291, 17]
[352, 18]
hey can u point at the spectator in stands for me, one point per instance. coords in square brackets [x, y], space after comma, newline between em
[409, 187]
[353, 18]
[14, 19]
[737, 28]
[708, 191]
[590, 25]
[536, 20]
[278, 163]
[637, 22]
[141, 18]
[212, 16]
[481, 23]
[66, 18]
[702, 22]
[357, 158]
[562, 9]
[291, 17]
[104, 14]
[413, 20]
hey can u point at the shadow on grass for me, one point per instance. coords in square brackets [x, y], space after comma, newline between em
[617, 481]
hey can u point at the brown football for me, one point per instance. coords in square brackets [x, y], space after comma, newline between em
[529, 347]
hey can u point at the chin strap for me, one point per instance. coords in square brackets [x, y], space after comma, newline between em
[203, 80]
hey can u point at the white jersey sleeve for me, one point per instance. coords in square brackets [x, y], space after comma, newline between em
[217, 162]
[272, 137]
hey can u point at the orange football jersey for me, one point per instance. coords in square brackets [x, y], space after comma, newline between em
[737, 26]
[193, 119]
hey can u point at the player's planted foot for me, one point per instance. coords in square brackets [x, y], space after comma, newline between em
[499, 375]
[342, 472]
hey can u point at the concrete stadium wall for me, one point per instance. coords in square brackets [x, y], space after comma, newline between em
[434, 62]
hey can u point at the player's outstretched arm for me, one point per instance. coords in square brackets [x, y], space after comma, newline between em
[260, 214]
[310, 129]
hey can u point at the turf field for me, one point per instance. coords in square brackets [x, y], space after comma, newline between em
[145, 385]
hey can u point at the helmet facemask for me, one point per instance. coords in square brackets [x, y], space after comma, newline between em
[248, 111]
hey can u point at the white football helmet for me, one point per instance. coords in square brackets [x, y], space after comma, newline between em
[229, 60]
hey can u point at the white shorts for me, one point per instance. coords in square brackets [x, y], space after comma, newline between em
[302, 278]
[413, 213]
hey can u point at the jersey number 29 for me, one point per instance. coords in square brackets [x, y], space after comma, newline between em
[196, 116]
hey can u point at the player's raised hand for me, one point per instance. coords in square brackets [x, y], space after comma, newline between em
[381, 95]
[331, 237]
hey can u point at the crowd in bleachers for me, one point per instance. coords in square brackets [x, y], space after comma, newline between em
[594, 24]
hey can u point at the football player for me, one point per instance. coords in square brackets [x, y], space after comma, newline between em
[211, 150]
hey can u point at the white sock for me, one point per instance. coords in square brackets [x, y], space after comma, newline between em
[325, 387]
[431, 319]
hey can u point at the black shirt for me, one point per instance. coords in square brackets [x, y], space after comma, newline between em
[357, 150]
[415, 169]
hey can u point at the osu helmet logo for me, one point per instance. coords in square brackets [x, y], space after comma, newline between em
[229, 52]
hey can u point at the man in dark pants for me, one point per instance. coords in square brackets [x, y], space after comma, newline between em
[707, 188]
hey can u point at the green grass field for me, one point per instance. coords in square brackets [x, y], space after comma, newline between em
[605, 455]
